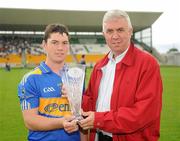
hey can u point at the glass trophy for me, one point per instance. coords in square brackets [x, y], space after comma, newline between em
[73, 80]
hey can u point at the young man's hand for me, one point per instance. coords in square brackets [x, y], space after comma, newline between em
[70, 125]
[64, 91]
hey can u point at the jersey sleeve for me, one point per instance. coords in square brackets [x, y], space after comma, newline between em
[28, 93]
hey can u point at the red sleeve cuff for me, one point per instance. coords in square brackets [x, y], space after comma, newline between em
[98, 120]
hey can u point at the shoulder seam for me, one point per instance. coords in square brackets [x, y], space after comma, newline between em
[26, 76]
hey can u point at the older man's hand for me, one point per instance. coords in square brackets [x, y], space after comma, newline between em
[88, 122]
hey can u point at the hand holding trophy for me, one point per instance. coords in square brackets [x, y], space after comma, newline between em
[73, 80]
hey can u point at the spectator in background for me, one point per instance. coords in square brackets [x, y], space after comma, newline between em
[46, 112]
[124, 96]
[83, 61]
[7, 67]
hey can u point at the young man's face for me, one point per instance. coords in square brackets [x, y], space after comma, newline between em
[56, 47]
[117, 34]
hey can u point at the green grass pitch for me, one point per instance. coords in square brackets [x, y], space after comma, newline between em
[11, 122]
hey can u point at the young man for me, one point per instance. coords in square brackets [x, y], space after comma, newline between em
[46, 112]
[124, 96]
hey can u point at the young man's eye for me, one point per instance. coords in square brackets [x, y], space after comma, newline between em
[65, 43]
[54, 42]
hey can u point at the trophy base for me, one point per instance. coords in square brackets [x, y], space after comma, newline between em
[78, 118]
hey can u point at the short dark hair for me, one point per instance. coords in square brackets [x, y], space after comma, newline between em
[53, 28]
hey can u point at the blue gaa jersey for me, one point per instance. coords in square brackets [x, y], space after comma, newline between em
[41, 88]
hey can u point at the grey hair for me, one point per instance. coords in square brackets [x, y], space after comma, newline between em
[112, 14]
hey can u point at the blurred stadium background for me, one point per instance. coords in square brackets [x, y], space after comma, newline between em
[21, 33]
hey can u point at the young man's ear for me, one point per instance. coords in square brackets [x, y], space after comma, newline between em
[43, 45]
